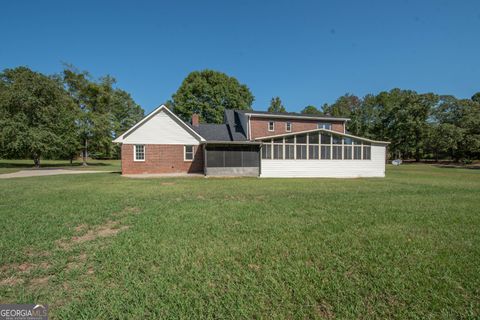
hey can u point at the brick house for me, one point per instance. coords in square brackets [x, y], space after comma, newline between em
[250, 143]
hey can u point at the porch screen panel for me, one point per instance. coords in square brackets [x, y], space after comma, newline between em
[215, 157]
[250, 157]
[226, 156]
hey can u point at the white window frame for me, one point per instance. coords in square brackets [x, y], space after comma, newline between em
[273, 125]
[185, 152]
[321, 125]
[135, 153]
[288, 126]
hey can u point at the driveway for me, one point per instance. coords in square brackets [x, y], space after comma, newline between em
[45, 172]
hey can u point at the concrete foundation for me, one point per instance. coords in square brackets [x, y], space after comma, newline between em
[232, 171]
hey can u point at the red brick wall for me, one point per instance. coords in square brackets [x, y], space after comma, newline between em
[161, 158]
[259, 126]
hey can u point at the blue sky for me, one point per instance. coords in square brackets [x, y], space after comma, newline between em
[306, 52]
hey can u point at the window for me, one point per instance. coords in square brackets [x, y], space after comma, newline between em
[313, 152]
[366, 152]
[357, 152]
[288, 127]
[337, 152]
[324, 125]
[278, 148]
[267, 151]
[316, 146]
[289, 151]
[347, 152]
[271, 126]
[189, 151]
[313, 138]
[325, 152]
[301, 151]
[301, 146]
[139, 152]
[326, 139]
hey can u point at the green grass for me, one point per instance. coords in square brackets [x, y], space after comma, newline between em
[8, 166]
[403, 247]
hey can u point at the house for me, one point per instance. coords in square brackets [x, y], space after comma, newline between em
[250, 143]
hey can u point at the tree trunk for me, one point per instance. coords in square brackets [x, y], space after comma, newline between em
[36, 161]
[85, 150]
[417, 155]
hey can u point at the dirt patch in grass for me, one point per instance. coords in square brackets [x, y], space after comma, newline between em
[127, 211]
[12, 281]
[31, 253]
[168, 183]
[324, 310]
[38, 282]
[81, 227]
[110, 228]
[24, 267]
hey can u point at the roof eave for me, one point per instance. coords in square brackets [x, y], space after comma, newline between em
[322, 130]
[262, 115]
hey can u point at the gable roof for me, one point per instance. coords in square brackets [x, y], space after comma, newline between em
[322, 130]
[233, 128]
[172, 115]
[211, 131]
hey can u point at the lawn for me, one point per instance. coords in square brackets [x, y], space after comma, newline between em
[102, 246]
[8, 166]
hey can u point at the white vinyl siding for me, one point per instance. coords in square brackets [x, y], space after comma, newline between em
[161, 129]
[375, 167]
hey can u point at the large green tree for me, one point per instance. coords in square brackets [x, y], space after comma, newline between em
[37, 117]
[104, 112]
[209, 93]
[311, 110]
[343, 106]
[276, 105]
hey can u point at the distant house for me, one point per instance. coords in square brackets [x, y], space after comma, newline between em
[250, 143]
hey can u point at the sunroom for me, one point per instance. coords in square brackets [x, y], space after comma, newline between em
[321, 153]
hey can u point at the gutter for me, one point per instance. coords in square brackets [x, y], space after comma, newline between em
[261, 115]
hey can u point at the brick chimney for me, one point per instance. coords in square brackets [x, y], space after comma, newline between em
[195, 119]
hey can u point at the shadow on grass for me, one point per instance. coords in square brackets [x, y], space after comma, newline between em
[29, 165]
[459, 166]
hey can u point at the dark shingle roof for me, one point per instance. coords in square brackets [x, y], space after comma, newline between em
[217, 132]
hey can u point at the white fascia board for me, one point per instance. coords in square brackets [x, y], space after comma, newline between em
[322, 130]
[261, 115]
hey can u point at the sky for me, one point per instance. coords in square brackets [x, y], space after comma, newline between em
[305, 52]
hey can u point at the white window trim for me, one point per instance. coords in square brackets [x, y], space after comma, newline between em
[185, 153]
[287, 125]
[321, 125]
[135, 153]
[272, 122]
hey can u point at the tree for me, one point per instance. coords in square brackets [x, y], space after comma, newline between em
[311, 110]
[343, 106]
[444, 139]
[209, 93]
[37, 117]
[364, 117]
[104, 112]
[476, 97]
[276, 105]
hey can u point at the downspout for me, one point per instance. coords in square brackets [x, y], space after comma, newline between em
[249, 130]
[205, 159]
